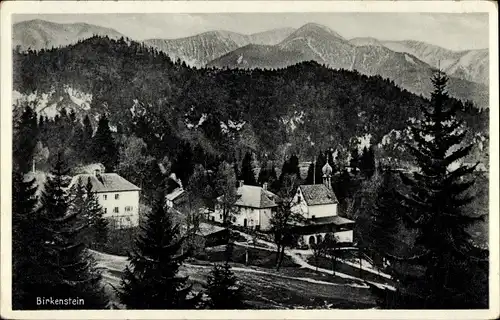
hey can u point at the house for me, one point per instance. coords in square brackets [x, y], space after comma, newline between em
[317, 204]
[176, 198]
[118, 197]
[253, 209]
[210, 235]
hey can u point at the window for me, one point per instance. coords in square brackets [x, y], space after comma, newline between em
[105, 210]
[220, 216]
[105, 197]
[116, 210]
[234, 219]
[128, 208]
[117, 196]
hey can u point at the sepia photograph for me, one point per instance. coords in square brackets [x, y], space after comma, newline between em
[239, 156]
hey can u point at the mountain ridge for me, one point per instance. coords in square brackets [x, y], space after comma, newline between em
[315, 43]
[40, 34]
[203, 49]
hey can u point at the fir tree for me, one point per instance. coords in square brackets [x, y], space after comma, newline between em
[447, 270]
[318, 173]
[87, 129]
[367, 162]
[184, 165]
[225, 187]
[93, 216]
[385, 220]
[151, 280]
[104, 147]
[222, 288]
[264, 173]
[354, 162]
[247, 174]
[25, 239]
[25, 139]
[66, 269]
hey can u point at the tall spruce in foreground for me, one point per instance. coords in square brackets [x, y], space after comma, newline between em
[151, 280]
[25, 238]
[90, 213]
[223, 289]
[446, 271]
[66, 268]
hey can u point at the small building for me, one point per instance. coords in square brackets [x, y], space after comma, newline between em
[176, 198]
[253, 209]
[317, 204]
[314, 231]
[118, 197]
[316, 200]
[211, 235]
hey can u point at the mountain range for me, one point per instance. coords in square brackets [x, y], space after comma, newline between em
[40, 34]
[410, 64]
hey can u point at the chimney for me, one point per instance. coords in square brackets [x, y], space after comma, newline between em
[240, 183]
[264, 186]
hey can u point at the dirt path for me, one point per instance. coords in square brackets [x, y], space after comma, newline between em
[297, 258]
[263, 289]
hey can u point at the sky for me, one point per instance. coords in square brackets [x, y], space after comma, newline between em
[455, 31]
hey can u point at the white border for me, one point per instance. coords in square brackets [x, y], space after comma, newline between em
[68, 7]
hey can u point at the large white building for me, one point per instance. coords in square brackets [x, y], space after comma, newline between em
[253, 209]
[118, 197]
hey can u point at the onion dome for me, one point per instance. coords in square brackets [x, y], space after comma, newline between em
[327, 170]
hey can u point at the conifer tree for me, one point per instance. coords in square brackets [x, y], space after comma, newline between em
[225, 187]
[65, 267]
[264, 173]
[223, 289]
[320, 162]
[354, 162]
[87, 129]
[25, 238]
[385, 219]
[151, 279]
[104, 147]
[247, 174]
[184, 165]
[446, 270]
[25, 139]
[367, 162]
[92, 213]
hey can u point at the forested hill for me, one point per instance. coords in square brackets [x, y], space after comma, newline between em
[302, 108]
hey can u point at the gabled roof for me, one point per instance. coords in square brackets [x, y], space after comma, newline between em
[255, 197]
[206, 229]
[105, 182]
[316, 194]
[336, 220]
[175, 194]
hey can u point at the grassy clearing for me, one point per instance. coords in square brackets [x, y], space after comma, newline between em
[349, 270]
[256, 257]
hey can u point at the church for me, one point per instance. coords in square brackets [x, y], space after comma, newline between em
[317, 204]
